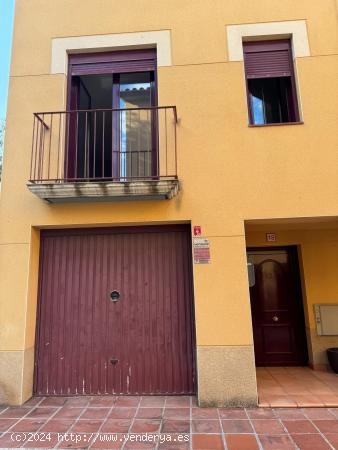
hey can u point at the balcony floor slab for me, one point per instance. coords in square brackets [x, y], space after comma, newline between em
[104, 191]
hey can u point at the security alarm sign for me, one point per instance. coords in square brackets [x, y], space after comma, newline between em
[197, 230]
[201, 250]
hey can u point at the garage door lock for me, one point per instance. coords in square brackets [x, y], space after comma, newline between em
[115, 296]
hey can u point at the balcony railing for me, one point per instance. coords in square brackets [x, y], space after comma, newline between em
[115, 146]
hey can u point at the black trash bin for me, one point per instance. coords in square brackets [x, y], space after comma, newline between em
[332, 354]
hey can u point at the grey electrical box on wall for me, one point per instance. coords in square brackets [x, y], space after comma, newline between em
[326, 316]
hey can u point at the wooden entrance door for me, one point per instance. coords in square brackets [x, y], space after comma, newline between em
[115, 312]
[277, 308]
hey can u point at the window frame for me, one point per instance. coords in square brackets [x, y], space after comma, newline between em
[262, 45]
[114, 63]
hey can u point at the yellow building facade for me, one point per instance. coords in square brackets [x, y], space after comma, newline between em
[249, 188]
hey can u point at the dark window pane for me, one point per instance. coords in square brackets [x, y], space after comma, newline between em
[271, 100]
[94, 159]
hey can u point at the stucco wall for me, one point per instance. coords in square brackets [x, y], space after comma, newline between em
[229, 171]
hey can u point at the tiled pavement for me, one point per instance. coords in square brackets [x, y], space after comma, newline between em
[94, 420]
[296, 387]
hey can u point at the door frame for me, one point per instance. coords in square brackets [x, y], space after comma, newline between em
[295, 250]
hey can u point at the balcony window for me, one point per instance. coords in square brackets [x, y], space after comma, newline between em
[270, 82]
[112, 131]
[119, 143]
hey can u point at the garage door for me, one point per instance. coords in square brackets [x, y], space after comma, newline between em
[115, 312]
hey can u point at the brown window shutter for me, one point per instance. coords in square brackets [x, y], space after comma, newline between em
[268, 59]
[112, 62]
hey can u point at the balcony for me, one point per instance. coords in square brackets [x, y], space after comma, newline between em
[104, 155]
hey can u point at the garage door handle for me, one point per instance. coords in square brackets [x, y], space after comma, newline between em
[114, 361]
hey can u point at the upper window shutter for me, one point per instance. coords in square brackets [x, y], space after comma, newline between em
[268, 59]
[112, 62]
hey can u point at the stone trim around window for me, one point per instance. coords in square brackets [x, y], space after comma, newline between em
[294, 29]
[108, 42]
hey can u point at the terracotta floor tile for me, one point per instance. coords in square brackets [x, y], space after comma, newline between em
[329, 400]
[134, 443]
[225, 413]
[320, 389]
[194, 402]
[152, 401]
[205, 413]
[261, 413]
[145, 426]
[304, 401]
[334, 387]
[127, 401]
[236, 426]
[268, 426]
[206, 426]
[295, 390]
[300, 385]
[289, 413]
[57, 426]
[79, 441]
[178, 402]
[95, 413]
[78, 401]
[174, 441]
[6, 423]
[175, 426]
[108, 441]
[33, 401]
[86, 426]
[327, 426]
[116, 426]
[176, 413]
[40, 413]
[281, 401]
[263, 402]
[53, 401]
[265, 389]
[241, 442]
[334, 411]
[318, 413]
[310, 442]
[103, 402]
[14, 413]
[68, 413]
[207, 442]
[333, 439]
[149, 413]
[41, 441]
[167, 445]
[299, 426]
[270, 442]
[8, 441]
[28, 425]
[122, 413]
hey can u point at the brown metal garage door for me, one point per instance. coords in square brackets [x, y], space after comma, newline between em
[141, 341]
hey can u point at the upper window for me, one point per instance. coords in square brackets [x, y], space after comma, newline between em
[112, 124]
[270, 82]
